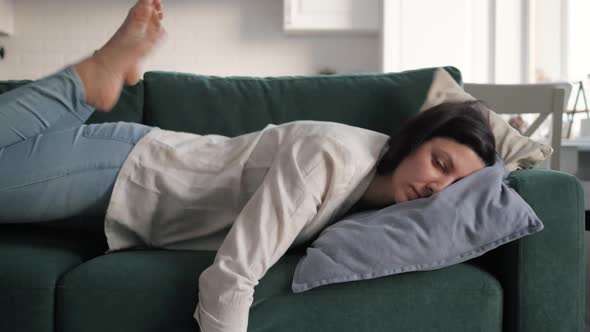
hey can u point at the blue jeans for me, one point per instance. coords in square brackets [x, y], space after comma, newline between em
[52, 165]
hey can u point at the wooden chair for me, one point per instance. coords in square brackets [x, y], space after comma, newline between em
[543, 98]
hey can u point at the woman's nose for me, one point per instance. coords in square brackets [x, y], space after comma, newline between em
[439, 184]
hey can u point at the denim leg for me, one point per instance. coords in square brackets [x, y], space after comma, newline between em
[55, 102]
[65, 173]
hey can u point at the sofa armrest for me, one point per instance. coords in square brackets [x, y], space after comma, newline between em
[543, 274]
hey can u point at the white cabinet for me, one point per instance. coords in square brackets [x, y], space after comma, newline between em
[6, 17]
[332, 15]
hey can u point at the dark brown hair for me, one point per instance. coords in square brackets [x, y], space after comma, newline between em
[463, 122]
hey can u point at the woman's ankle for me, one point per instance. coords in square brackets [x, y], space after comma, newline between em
[102, 85]
[84, 69]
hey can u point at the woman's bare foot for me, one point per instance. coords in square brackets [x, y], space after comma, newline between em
[117, 62]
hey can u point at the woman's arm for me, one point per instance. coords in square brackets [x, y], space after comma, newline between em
[287, 200]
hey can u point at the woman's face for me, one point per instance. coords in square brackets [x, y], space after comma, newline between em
[432, 167]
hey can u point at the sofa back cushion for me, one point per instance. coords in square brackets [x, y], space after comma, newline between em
[129, 107]
[6, 86]
[233, 106]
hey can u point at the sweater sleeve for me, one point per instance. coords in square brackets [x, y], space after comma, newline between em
[288, 198]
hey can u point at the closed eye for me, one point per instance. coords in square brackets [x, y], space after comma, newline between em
[440, 164]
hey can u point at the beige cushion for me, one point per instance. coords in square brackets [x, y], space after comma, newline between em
[518, 151]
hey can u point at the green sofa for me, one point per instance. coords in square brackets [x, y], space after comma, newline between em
[55, 276]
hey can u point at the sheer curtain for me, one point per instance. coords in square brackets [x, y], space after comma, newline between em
[488, 40]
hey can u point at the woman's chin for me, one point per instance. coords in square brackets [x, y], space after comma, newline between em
[403, 197]
[399, 198]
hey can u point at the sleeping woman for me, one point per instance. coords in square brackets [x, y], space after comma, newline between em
[250, 197]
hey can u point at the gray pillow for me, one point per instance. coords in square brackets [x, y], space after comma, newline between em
[468, 218]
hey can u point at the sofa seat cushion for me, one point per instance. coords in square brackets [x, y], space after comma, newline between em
[138, 290]
[156, 290]
[32, 260]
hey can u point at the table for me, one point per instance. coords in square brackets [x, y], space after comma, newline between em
[575, 159]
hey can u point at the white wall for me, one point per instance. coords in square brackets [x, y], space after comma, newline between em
[6, 16]
[212, 37]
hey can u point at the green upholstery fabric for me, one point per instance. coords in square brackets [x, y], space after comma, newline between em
[13, 84]
[233, 106]
[136, 290]
[129, 107]
[458, 298]
[161, 288]
[544, 274]
[32, 259]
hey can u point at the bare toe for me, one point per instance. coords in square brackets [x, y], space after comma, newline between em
[119, 59]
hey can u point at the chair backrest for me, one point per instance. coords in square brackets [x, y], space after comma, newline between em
[543, 99]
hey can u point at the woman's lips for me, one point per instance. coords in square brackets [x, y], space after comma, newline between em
[413, 194]
[417, 193]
